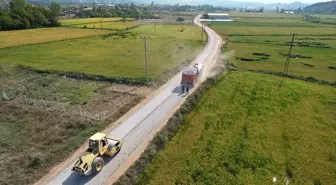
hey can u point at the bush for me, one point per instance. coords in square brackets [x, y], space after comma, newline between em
[180, 19]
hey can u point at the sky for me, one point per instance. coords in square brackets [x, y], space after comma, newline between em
[282, 1]
[262, 1]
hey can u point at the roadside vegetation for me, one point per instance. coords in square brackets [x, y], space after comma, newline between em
[262, 43]
[257, 129]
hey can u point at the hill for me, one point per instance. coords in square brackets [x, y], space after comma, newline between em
[322, 8]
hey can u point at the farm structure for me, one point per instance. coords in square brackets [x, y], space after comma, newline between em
[218, 16]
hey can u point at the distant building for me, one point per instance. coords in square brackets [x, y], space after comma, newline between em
[87, 8]
[5, 4]
[289, 12]
[218, 16]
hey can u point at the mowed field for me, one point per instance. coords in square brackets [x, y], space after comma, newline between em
[42, 35]
[261, 43]
[247, 129]
[113, 55]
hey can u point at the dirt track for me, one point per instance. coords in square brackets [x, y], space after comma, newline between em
[137, 126]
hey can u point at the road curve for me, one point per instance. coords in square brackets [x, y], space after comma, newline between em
[134, 130]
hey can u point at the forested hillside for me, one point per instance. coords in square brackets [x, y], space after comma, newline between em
[322, 8]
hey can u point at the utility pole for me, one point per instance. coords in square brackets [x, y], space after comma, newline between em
[202, 30]
[154, 27]
[146, 62]
[289, 55]
[101, 24]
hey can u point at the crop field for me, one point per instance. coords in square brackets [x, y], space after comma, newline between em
[237, 28]
[42, 35]
[69, 22]
[187, 32]
[51, 107]
[114, 55]
[108, 25]
[255, 130]
[263, 43]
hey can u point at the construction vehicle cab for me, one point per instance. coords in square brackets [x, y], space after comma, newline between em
[91, 161]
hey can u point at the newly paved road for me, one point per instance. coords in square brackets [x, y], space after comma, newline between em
[139, 125]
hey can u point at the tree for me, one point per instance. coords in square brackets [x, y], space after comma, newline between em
[6, 21]
[55, 8]
[261, 9]
[17, 4]
[24, 16]
[277, 9]
[179, 19]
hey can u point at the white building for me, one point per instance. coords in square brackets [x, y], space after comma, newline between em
[218, 16]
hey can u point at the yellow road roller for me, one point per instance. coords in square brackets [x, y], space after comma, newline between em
[91, 161]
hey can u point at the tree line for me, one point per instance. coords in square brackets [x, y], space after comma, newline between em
[120, 10]
[22, 15]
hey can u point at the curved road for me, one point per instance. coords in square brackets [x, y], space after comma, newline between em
[135, 130]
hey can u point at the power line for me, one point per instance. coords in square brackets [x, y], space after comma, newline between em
[146, 61]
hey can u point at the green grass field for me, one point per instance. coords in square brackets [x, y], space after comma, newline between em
[313, 56]
[113, 55]
[108, 25]
[247, 129]
[262, 15]
[69, 22]
[42, 35]
[237, 28]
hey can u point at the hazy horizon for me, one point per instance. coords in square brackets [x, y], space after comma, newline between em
[266, 2]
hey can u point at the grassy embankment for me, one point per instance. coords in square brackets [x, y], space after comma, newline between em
[114, 55]
[260, 42]
[247, 130]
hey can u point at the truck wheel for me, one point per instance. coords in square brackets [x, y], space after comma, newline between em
[97, 165]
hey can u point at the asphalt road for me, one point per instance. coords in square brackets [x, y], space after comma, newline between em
[139, 125]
